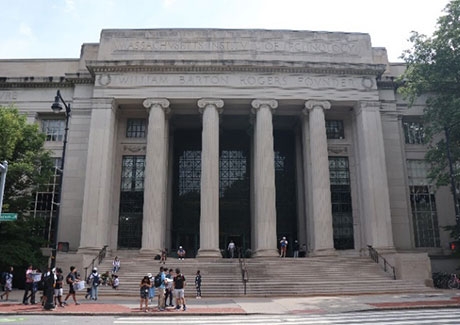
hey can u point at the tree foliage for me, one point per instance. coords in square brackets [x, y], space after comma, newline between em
[29, 166]
[433, 70]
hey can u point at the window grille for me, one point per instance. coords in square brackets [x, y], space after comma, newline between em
[334, 129]
[135, 128]
[414, 132]
[53, 129]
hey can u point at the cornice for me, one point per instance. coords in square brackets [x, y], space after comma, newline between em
[221, 66]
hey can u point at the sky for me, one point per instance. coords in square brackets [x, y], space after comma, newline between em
[58, 28]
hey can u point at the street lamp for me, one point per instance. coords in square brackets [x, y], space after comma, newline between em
[57, 108]
[452, 180]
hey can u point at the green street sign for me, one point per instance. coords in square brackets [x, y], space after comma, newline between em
[8, 217]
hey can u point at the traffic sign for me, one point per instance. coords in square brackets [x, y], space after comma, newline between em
[8, 217]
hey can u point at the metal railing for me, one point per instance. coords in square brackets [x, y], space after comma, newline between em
[376, 257]
[244, 270]
[99, 258]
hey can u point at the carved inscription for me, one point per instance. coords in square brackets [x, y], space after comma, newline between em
[291, 46]
[238, 81]
[8, 95]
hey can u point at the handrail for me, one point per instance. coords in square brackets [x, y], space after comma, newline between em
[244, 270]
[375, 256]
[100, 257]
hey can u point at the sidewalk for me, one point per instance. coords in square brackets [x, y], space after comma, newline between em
[244, 306]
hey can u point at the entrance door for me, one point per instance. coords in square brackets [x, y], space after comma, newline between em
[234, 194]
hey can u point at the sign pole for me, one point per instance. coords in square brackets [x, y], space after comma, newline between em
[3, 170]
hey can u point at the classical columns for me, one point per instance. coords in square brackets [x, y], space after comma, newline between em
[322, 232]
[97, 203]
[154, 219]
[265, 241]
[209, 218]
[373, 189]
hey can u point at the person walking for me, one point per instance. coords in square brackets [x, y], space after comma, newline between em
[231, 249]
[58, 288]
[169, 288]
[152, 288]
[8, 283]
[296, 248]
[48, 289]
[198, 284]
[144, 286]
[161, 290]
[95, 281]
[72, 279]
[29, 287]
[163, 256]
[179, 286]
[283, 247]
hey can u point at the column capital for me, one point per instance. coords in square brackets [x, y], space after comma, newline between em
[258, 103]
[310, 104]
[205, 102]
[163, 103]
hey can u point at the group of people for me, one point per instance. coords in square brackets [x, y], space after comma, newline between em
[296, 247]
[170, 284]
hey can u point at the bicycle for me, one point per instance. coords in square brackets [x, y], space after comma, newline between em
[454, 282]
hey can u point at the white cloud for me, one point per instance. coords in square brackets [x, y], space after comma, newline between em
[69, 6]
[168, 3]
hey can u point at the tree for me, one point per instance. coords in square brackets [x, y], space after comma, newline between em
[29, 166]
[433, 72]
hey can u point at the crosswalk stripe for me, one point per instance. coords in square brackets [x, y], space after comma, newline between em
[401, 317]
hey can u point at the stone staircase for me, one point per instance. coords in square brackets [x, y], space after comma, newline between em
[267, 277]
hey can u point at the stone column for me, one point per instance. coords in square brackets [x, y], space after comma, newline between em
[154, 217]
[323, 241]
[209, 218]
[97, 201]
[265, 241]
[374, 194]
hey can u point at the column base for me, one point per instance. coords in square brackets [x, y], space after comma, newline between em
[324, 252]
[149, 252]
[208, 253]
[266, 253]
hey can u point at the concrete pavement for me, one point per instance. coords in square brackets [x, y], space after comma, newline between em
[244, 305]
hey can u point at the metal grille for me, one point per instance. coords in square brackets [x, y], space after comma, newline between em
[234, 184]
[334, 129]
[53, 129]
[189, 171]
[342, 216]
[414, 132]
[135, 128]
[423, 205]
[131, 202]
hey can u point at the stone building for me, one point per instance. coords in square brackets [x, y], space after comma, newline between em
[196, 137]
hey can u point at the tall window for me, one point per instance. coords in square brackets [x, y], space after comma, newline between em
[334, 129]
[414, 133]
[342, 217]
[131, 202]
[53, 129]
[423, 205]
[135, 128]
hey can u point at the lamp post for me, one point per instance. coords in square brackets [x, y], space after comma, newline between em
[452, 180]
[57, 108]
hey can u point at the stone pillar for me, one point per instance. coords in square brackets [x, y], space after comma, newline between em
[374, 195]
[265, 241]
[154, 218]
[97, 201]
[323, 241]
[209, 218]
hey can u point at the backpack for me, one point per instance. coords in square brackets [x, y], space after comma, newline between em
[157, 280]
[96, 280]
